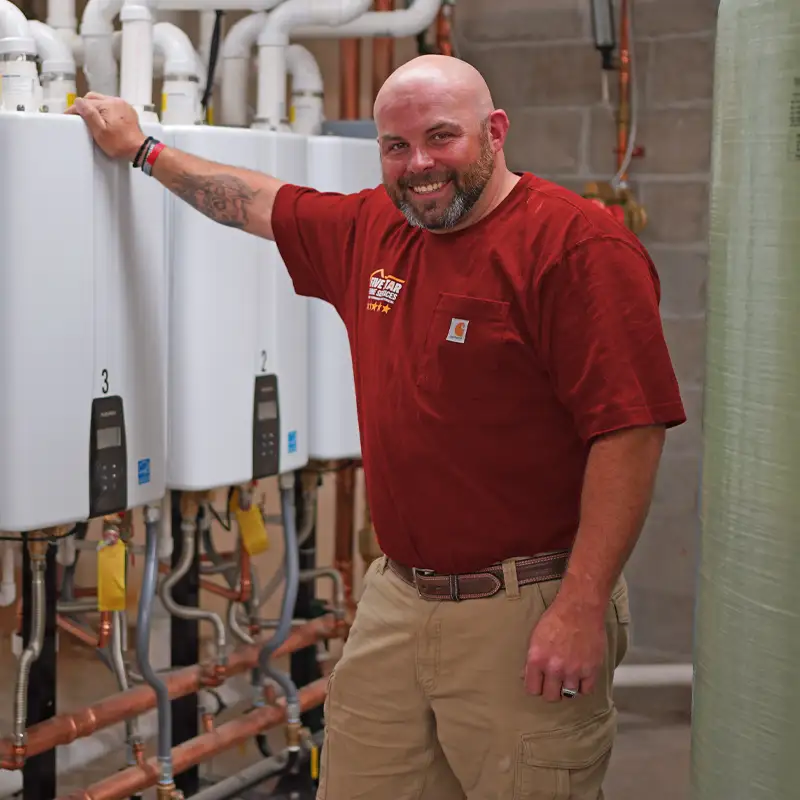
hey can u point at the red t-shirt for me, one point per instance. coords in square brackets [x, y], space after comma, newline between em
[485, 360]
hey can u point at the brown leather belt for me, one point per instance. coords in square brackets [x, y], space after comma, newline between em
[431, 585]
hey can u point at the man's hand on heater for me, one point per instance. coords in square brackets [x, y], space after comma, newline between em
[113, 123]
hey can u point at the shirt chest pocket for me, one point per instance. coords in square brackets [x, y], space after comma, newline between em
[464, 351]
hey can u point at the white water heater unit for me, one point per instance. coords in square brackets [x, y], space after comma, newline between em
[238, 332]
[82, 327]
[335, 164]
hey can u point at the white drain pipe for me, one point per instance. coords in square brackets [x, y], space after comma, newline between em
[653, 675]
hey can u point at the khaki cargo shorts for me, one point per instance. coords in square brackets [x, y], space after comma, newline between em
[427, 701]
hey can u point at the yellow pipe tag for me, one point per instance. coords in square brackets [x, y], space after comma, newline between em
[111, 577]
[251, 527]
[314, 762]
[70, 99]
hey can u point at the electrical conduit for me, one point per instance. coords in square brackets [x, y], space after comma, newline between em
[273, 40]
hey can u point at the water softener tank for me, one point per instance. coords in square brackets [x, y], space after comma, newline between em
[746, 716]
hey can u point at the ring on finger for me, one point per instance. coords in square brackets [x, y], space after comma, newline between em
[569, 693]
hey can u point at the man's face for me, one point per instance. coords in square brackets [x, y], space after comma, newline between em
[436, 161]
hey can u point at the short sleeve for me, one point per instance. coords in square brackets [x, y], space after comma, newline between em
[315, 233]
[601, 337]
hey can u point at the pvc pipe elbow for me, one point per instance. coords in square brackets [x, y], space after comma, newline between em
[15, 33]
[242, 36]
[180, 58]
[304, 69]
[294, 14]
[54, 52]
[390, 24]
[98, 17]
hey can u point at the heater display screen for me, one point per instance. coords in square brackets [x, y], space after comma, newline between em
[267, 409]
[108, 437]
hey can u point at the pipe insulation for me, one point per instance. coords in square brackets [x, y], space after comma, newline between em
[746, 716]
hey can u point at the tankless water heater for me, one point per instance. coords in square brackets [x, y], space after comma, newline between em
[238, 332]
[82, 327]
[335, 164]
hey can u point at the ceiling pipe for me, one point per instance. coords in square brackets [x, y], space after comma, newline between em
[396, 24]
[285, 21]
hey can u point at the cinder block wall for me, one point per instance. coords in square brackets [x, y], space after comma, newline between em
[541, 65]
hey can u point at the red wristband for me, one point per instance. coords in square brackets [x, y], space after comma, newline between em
[152, 155]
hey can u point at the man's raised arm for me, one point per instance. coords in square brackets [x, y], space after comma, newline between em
[237, 198]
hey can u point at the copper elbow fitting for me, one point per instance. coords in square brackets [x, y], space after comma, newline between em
[17, 760]
[138, 753]
[213, 675]
[104, 634]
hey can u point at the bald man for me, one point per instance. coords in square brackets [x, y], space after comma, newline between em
[514, 388]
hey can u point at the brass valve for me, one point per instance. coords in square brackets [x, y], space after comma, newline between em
[620, 203]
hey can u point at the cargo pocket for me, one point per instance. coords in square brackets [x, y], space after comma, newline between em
[325, 755]
[567, 763]
[620, 602]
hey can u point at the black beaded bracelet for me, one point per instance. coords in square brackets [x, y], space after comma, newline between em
[137, 161]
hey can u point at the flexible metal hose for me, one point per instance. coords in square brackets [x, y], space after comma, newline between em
[292, 570]
[34, 648]
[189, 528]
[118, 666]
[148, 591]
[310, 518]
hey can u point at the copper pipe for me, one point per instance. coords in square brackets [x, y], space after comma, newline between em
[382, 52]
[444, 42]
[344, 547]
[87, 637]
[137, 779]
[350, 84]
[624, 112]
[66, 728]
[245, 582]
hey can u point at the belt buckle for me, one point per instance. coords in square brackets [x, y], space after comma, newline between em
[425, 573]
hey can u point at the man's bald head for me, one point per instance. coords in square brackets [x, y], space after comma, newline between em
[433, 76]
[441, 141]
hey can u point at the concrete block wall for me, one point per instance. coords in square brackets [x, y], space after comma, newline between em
[539, 60]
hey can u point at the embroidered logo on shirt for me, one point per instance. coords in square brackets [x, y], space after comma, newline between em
[383, 291]
[458, 330]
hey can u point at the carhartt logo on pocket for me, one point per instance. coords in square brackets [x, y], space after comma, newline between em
[458, 330]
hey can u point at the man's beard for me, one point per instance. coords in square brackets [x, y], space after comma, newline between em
[467, 187]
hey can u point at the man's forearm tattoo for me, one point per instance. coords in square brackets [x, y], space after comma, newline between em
[224, 198]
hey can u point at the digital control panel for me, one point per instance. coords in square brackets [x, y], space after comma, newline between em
[266, 428]
[108, 458]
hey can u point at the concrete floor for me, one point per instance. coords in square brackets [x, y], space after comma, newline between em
[651, 757]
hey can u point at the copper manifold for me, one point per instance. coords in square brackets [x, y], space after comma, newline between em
[136, 779]
[66, 728]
